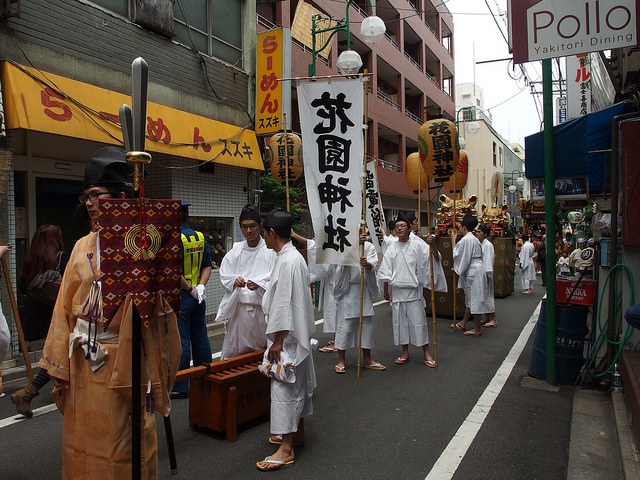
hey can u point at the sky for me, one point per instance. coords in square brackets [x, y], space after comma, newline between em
[509, 101]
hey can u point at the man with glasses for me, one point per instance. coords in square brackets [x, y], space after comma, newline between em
[244, 274]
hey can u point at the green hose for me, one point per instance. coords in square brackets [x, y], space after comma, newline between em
[602, 330]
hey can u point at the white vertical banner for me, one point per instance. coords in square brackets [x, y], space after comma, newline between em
[374, 211]
[333, 147]
[578, 85]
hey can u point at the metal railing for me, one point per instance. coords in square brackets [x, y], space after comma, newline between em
[433, 80]
[432, 30]
[265, 23]
[393, 42]
[389, 165]
[414, 7]
[387, 99]
[360, 10]
[413, 60]
[413, 116]
[308, 50]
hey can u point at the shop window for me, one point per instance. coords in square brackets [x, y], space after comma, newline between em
[218, 232]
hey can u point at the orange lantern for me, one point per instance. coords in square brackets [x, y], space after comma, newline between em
[439, 148]
[460, 176]
[414, 173]
[283, 147]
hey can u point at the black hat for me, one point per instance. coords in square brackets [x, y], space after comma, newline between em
[403, 218]
[470, 222]
[250, 212]
[410, 217]
[392, 224]
[280, 221]
[108, 167]
[484, 229]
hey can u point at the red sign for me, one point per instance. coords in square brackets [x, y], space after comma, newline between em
[584, 294]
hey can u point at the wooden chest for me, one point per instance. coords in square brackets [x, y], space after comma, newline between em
[229, 393]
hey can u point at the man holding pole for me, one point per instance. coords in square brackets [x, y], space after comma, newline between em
[93, 379]
[347, 296]
[404, 272]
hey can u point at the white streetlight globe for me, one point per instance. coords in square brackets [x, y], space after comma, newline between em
[372, 29]
[519, 181]
[472, 128]
[512, 188]
[462, 142]
[349, 62]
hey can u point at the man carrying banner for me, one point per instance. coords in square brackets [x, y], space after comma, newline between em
[244, 274]
[404, 272]
[290, 325]
[347, 297]
[93, 379]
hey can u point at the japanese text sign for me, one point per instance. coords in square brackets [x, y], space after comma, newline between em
[578, 85]
[439, 148]
[374, 212]
[333, 145]
[32, 102]
[273, 63]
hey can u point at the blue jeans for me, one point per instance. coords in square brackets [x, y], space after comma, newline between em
[193, 335]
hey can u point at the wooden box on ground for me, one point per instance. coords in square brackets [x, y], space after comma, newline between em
[229, 393]
[504, 266]
[444, 301]
[631, 386]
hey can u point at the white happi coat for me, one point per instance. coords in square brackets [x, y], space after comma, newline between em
[488, 259]
[288, 307]
[467, 263]
[240, 306]
[406, 269]
[325, 273]
[347, 298]
[527, 268]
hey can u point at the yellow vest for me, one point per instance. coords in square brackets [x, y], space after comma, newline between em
[193, 251]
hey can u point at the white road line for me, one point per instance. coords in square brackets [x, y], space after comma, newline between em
[37, 412]
[448, 462]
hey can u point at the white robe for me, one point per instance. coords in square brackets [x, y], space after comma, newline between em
[488, 260]
[347, 298]
[288, 307]
[439, 280]
[386, 241]
[467, 263]
[240, 306]
[324, 273]
[527, 268]
[404, 268]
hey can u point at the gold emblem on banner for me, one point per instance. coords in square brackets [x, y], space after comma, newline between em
[132, 247]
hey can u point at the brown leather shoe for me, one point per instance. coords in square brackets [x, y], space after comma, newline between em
[22, 400]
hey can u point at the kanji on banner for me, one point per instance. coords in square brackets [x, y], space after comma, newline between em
[333, 145]
[375, 214]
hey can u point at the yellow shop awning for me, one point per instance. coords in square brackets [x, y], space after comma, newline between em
[54, 104]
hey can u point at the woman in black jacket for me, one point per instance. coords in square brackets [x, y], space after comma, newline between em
[45, 253]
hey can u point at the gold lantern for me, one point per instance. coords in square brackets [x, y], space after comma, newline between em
[285, 148]
[439, 148]
[460, 175]
[414, 173]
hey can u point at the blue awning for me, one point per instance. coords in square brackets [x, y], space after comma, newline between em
[572, 142]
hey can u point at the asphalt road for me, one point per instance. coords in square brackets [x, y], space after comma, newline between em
[395, 424]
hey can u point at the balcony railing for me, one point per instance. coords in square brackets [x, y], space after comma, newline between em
[413, 6]
[393, 42]
[412, 60]
[304, 48]
[413, 117]
[433, 80]
[360, 10]
[265, 23]
[389, 165]
[387, 99]
[432, 30]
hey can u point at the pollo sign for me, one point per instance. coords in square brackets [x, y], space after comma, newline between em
[540, 29]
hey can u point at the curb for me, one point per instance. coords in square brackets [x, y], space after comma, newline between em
[628, 449]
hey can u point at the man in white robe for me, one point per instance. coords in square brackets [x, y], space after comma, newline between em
[404, 272]
[323, 273]
[527, 268]
[467, 263]
[290, 325]
[244, 274]
[389, 237]
[347, 297]
[488, 259]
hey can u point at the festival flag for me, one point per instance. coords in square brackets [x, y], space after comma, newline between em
[374, 211]
[333, 145]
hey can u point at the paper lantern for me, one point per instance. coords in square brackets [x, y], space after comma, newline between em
[439, 148]
[282, 147]
[460, 176]
[414, 173]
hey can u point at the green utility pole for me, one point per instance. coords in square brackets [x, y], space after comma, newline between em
[549, 218]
